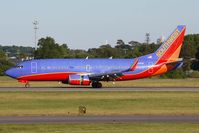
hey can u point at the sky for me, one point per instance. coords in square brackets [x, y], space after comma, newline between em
[84, 24]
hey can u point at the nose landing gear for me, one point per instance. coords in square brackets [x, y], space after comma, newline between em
[96, 84]
[27, 85]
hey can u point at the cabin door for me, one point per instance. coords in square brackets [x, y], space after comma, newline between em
[33, 67]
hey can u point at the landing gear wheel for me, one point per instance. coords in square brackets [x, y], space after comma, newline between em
[27, 85]
[94, 85]
[97, 85]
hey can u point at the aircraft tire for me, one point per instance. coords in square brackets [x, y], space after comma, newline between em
[94, 84]
[97, 85]
[27, 85]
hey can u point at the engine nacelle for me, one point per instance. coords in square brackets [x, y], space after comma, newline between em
[79, 80]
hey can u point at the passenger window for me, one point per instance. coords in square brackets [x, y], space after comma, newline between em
[20, 66]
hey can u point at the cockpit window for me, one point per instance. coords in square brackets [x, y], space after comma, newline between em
[19, 66]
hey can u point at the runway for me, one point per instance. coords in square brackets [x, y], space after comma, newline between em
[83, 89]
[94, 119]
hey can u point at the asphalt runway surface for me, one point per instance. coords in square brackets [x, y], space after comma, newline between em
[94, 119]
[82, 89]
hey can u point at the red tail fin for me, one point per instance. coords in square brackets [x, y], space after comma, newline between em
[169, 51]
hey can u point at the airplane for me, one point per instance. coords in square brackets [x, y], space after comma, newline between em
[88, 72]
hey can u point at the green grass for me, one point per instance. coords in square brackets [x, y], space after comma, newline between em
[194, 82]
[103, 128]
[99, 103]
[189, 82]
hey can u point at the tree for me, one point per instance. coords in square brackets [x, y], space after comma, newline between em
[48, 48]
[121, 45]
[195, 64]
[4, 63]
[120, 42]
[135, 53]
[2, 55]
[187, 53]
[65, 51]
[197, 54]
[134, 43]
[78, 53]
[176, 74]
[107, 51]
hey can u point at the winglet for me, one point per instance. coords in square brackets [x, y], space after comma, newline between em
[133, 67]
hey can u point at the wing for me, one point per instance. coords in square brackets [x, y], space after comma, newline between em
[112, 75]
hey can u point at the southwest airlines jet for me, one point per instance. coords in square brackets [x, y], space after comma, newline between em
[93, 71]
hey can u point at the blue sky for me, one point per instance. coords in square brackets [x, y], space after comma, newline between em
[89, 23]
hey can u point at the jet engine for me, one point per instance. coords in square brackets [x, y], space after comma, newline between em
[79, 80]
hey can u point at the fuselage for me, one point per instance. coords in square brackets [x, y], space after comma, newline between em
[60, 69]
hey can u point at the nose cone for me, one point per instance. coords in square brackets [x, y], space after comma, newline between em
[10, 73]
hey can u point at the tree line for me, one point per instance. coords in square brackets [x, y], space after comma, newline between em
[49, 48]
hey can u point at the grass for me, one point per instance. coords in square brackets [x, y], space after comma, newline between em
[190, 82]
[99, 103]
[101, 128]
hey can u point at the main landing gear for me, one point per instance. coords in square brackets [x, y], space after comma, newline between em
[96, 84]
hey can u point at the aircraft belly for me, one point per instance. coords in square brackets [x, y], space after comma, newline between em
[60, 76]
